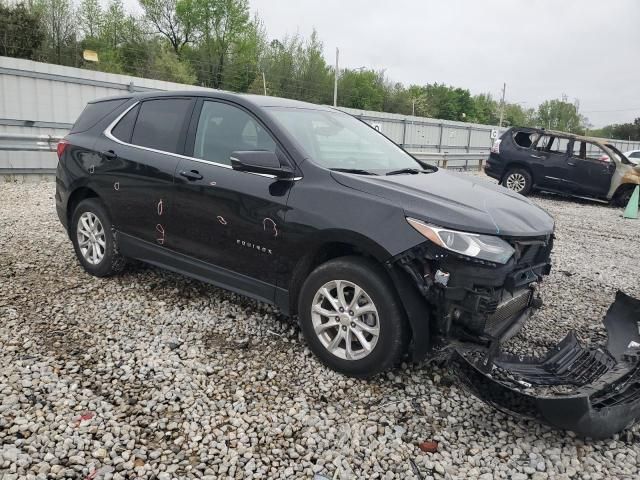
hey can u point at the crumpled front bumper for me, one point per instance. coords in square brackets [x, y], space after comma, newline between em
[592, 391]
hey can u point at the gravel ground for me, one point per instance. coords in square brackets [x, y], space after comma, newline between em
[152, 375]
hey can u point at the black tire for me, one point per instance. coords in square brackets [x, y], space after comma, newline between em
[519, 174]
[393, 332]
[622, 198]
[112, 262]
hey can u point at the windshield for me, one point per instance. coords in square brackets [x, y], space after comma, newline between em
[336, 140]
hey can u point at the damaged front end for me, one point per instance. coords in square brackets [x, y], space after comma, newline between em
[474, 299]
[592, 391]
[476, 305]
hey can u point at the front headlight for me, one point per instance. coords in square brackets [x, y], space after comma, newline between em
[484, 247]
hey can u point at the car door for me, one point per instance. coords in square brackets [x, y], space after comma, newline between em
[590, 169]
[551, 153]
[231, 220]
[142, 150]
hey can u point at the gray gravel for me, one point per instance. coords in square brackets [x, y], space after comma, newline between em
[149, 375]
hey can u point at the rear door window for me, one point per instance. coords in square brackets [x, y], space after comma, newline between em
[223, 129]
[544, 142]
[552, 144]
[160, 124]
[94, 112]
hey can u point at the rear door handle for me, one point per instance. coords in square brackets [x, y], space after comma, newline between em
[536, 156]
[573, 164]
[191, 175]
[109, 155]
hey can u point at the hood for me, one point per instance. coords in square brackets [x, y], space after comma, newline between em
[457, 201]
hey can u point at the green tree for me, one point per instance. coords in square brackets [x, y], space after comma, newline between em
[362, 89]
[58, 22]
[167, 66]
[221, 26]
[21, 32]
[172, 19]
[486, 109]
[560, 115]
[516, 115]
[620, 131]
[90, 18]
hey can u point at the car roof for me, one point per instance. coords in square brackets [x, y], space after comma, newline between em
[260, 101]
[558, 133]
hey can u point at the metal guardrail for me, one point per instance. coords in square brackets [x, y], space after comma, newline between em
[24, 142]
[454, 161]
[17, 142]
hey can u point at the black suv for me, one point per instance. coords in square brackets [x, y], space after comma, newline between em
[527, 159]
[305, 207]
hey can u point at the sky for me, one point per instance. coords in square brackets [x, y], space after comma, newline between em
[586, 49]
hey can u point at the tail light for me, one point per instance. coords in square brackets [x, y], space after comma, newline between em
[495, 148]
[61, 147]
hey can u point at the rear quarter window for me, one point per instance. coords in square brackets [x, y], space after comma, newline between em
[124, 129]
[525, 139]
[94, 112]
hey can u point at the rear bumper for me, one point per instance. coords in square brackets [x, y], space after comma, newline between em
[592, 391]
[493, 167]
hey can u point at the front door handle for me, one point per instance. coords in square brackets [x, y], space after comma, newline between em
[569, 162]
[191, 175]
[109, 155]
[536, 156]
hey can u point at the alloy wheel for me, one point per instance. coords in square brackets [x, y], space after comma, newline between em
[345, 319]
[516, 182]
[91, 238]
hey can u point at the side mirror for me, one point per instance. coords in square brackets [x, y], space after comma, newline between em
[259, 161]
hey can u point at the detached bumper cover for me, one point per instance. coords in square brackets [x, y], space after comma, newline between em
[592, 391]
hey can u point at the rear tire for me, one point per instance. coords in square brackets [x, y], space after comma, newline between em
[519, 180]
[374, 323]
[94, 239]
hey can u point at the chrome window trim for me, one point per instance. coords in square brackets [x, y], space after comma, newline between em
[107, 133]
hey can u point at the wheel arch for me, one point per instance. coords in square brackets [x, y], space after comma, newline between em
[514, 165]
[327, 246]
[413, 304]
[621, 190]
[78, 195]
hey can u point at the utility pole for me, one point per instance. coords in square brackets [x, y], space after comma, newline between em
[335, 81]
[413, 107]
[504, 90]
[264, 84]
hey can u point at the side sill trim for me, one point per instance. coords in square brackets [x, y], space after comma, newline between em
[194, 268]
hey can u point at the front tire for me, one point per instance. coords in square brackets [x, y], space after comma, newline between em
[351, 317]
[519, 180]
[93, 239]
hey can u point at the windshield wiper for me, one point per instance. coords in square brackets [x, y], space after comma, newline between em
[353, 170]
[412, 171]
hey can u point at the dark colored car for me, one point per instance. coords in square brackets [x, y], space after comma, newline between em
[527, 159]
[310, 209]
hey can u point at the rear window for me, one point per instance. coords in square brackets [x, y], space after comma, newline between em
[159, 124]
[94, 112]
